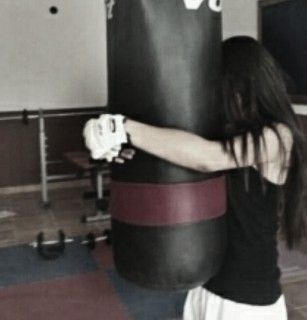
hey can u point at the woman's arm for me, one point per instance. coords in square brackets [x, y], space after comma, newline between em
[194, 152]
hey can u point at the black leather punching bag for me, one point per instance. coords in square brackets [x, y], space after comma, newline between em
[168, 223]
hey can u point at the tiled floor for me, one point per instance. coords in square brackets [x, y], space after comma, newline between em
[67, 206]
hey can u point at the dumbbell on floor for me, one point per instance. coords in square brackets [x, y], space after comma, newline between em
[53, 249]
[91, 240]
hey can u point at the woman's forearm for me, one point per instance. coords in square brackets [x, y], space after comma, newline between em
[194, 152]
[176, 146]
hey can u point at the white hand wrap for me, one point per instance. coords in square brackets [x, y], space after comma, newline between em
[105, 135]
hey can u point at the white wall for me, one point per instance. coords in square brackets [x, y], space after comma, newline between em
[240, 17]
[49, 63]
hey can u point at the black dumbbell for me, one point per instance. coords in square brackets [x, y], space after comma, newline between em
[91, 240]
[53, 249]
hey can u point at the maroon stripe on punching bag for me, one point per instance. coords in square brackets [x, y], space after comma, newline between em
[168, 204]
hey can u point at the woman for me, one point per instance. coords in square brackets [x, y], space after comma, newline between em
[263, 150]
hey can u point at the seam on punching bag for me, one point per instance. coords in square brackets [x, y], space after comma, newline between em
[165, 204]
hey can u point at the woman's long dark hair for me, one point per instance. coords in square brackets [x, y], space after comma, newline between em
[255, 96]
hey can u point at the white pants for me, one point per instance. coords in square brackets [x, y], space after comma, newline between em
[204, 305]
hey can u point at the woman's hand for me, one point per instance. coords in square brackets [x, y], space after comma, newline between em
[120, 156]
[124, 155]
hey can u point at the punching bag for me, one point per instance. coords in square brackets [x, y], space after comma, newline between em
[168, 222]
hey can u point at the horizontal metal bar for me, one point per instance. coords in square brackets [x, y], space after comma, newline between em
[57, 177]
[53, 115]
[8, 118]
[73, 114]
[50, 242]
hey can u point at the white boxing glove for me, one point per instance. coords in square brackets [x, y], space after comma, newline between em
[105, 135]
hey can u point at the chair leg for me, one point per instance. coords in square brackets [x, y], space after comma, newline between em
[101, 203]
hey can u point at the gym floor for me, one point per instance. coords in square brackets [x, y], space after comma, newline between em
[67, 207]
[26, 217]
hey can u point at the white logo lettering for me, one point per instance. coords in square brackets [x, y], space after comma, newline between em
[215, 5]
[109, 6]
[193, 4]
